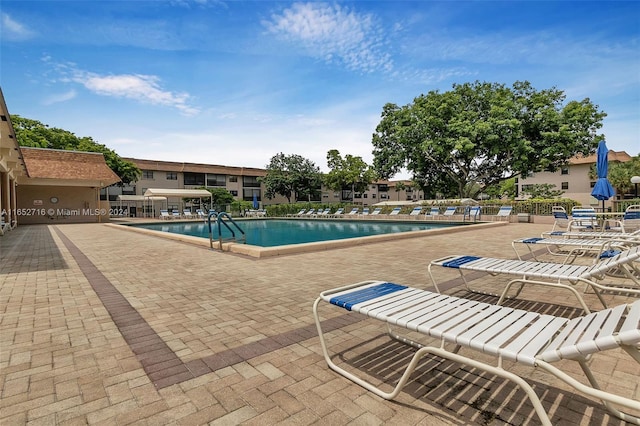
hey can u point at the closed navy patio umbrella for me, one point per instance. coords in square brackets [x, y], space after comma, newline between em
[255, 202]
[602, 190]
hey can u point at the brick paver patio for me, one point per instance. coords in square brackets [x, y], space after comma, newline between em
[105, 326]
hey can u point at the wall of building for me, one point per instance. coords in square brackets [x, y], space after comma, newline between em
[576, 180]
[59, 204]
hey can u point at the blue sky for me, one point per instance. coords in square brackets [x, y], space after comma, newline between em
[236, 82]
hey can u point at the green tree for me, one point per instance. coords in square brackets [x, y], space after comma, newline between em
[35, 134]
[620, 175]
[219, 197]
[349, 171]
[506, 188]
[482, 133]
[291, 176]
[543, 190]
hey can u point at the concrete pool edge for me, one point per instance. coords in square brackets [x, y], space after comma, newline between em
[264, 252]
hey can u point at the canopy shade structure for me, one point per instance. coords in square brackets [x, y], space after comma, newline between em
[180, 193]
[139, 198]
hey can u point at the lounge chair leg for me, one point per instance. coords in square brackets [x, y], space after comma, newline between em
[420, 353]
[522, 281]
[594, 390]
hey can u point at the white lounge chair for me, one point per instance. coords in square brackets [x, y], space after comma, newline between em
[395, 211]
[310, 212]
[474, 213]
[164, 215]
[522, 337]
[562, 219]
[504, 213]
[323, 213]
[300, 213]
[449, 212]
[416, 211]
[187, 214]
[376, 211]
[4, 225]
[338, 213]
[354, 211]
[571, 248]
[630, 220]
[434, 212]
[176, 214]
[550, 274]
[365, 211]
[583, 218]
[594, 234]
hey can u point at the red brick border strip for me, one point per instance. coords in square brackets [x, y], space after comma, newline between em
[163, 367]
[158, 360]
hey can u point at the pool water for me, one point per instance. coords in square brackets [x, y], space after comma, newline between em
[279, 232]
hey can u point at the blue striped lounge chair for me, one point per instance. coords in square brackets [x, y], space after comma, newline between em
[395, 211]
[416, 211]
[504, 213]
[524, 338]
[558, 275]
[449, 212]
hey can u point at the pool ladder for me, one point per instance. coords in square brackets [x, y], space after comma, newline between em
[224, 219]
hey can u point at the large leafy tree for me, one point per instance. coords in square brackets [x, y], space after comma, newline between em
[349, 171]
[479, 134]
[291, 176]
[35, 134]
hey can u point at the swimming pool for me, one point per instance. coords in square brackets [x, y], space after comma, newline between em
[280, 232]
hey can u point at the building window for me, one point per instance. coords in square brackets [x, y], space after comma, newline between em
[172, 175]
[250, 181]
[194, 179]
[216, 180]
[247, 194]
[565, 185]
[234, 193]
[373, 195]
[233, 178]
[147, 174]
[128, 190]
[564, 170]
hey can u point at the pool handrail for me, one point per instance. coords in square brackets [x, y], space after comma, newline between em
[219, 216]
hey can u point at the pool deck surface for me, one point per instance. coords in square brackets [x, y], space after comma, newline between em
[100, 325]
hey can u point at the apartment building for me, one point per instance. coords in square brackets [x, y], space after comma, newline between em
[573, 179]
[242, 182]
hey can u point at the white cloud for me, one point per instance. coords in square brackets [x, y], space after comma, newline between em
[13, 30]
[62, 97]
[333, 34]
[142, 88]
[138, 87]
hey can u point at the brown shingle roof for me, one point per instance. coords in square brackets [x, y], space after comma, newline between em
[618, 156]
[174, 166]
[69, 165]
